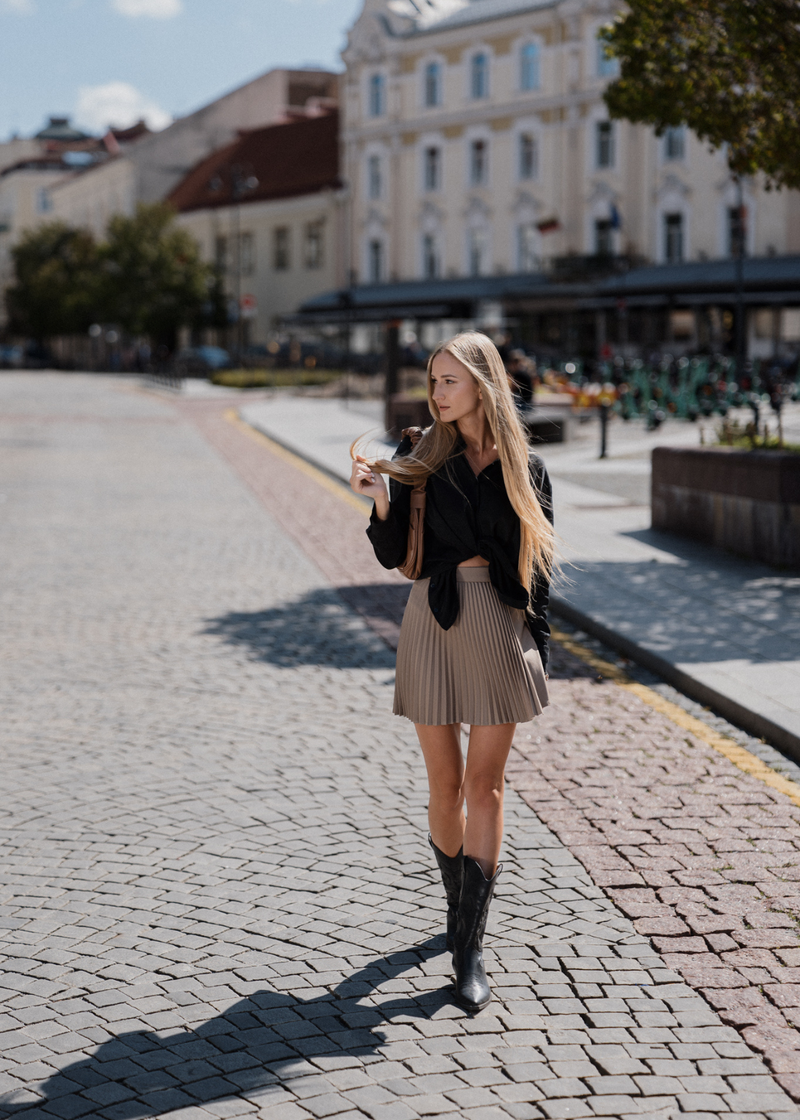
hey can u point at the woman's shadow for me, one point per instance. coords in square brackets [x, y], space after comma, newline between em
[260, 1041]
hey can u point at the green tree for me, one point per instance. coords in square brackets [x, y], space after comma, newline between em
[729, 69]
[57, 282]
[154, 279]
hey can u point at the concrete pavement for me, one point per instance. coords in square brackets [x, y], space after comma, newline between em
[217, 899]
[724, 631]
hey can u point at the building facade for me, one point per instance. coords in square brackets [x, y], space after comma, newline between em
[268, 211]
[477, 143]
[150, 169]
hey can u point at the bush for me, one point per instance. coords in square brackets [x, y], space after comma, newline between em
[274, 378]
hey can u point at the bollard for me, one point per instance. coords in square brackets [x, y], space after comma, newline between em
[604, 408]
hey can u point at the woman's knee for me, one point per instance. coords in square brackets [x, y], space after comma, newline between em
[483, 794]
[447, 795]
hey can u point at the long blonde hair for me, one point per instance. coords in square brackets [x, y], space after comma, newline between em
[478, 354]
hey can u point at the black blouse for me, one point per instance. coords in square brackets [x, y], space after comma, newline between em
[465, 516]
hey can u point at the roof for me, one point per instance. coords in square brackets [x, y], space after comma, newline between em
[766, 280]
[287, 160]
[479, 11]
[59, 128]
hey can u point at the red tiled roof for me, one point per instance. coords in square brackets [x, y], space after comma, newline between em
[300, 157]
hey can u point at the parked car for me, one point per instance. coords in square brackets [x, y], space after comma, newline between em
[11, 357]
[202, 360]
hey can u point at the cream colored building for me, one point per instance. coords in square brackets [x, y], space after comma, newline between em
[476, 142]
[269, 211]
[151, 168]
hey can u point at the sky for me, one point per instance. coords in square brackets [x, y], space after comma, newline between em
[105, 62]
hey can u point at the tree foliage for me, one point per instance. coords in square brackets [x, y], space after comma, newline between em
[154, 279]
[147, 277]
[729, 69]
[57, 288]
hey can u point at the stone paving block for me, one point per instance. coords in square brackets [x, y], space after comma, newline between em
[240, 888]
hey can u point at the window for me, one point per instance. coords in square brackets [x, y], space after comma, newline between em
[673, 238]
[737, 231]
[375, 260]
[247, 254]
[604, 144]
[430, 258]
[432, 169]
[314, 246]
[377, 95]
[476, 251]
[527, 156]
[603, 237]
[479, 75]
[529, 66]
[374, 177]
[44, 203]
[433, 84]
[221, 252]
[478, 163]
[527, 239]
[607, 65]
[280, 248]
[675, 143]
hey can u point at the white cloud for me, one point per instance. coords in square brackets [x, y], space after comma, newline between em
[118, 104]
[154, 9]
[21, 7]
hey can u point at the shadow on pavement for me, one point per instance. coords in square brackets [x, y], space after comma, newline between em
[260, 1041]
[318, 629]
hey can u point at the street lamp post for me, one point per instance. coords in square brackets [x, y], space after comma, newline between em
[739, 233]
[241, 184]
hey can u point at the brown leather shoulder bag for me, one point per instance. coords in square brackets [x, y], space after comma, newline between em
[412, 566]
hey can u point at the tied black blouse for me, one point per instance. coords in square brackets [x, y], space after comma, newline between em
[467, 515]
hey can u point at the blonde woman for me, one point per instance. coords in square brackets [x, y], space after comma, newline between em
[473, 645]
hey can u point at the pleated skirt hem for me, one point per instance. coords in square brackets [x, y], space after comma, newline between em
[485, 670]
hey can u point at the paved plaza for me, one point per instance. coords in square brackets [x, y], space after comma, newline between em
[217, 898]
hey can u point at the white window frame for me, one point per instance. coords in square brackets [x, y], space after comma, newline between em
[479, 52]
[439, 83]
[472, 141]
[376, 109]
[432, 184]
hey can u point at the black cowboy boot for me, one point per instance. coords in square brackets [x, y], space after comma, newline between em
[472, 987]
[452, 869]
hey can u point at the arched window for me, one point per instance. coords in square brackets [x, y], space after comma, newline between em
[607, 65]
[478, 163]
[375, 264]
[377, 95]
[675, 142]
[374, 177]
[432, 172]
[528, 156]
[479, 75]
[433, 84]
[430, 257]
[529, 66]
[477, 248]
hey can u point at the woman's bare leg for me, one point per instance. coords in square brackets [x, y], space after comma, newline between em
[483, 789]
[441, 749]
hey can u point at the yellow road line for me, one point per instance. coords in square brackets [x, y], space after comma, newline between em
[721, 743]
[337, 488]
[731, 750]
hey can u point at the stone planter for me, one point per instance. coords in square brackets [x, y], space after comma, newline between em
[745, 501]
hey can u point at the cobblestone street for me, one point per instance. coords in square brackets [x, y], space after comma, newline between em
[217, 898]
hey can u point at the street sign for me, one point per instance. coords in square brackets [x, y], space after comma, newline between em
[248, 306]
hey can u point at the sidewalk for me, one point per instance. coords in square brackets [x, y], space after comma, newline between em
[217, 900]
[724, 631]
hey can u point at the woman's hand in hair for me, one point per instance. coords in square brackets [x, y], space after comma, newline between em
[363, 480]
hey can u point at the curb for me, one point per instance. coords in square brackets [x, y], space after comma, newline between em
[748, 720]
[759, 726]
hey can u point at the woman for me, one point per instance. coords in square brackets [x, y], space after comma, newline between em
[473, 644]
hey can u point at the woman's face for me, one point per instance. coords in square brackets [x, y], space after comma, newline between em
[455, 390]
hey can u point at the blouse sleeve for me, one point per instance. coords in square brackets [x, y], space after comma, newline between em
[389, 538]
[540, 592]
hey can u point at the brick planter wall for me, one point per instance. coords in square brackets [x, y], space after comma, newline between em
[744, 501]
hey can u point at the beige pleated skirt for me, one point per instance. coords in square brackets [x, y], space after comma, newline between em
[484, 670]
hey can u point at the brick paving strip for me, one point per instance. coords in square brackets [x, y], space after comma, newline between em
[216, 898]
[699, 854]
